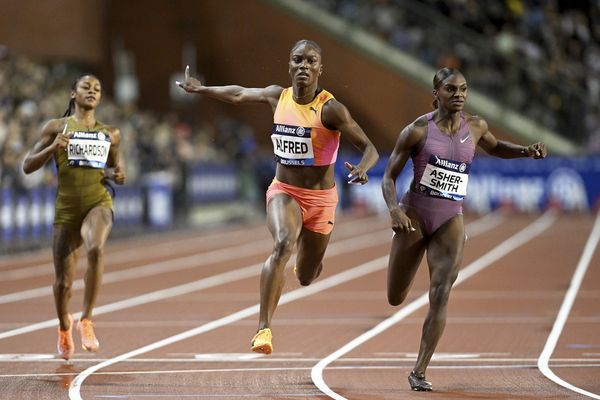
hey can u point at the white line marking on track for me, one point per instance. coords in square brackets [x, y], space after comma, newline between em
[25, 357]
[339, 247]
[484, 224]
[160, 267]
[335, 280]
[510, 244]
[278, 369]
[363, 269]
[171, 265]
[267, 360]
[164, 249]
[228, 356]
[565, 309]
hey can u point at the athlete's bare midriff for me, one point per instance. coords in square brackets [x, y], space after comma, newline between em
[312, 177]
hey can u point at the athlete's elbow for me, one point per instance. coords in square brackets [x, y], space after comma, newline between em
[27, 167]
[236, 99]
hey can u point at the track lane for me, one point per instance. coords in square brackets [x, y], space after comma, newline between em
[332, 317]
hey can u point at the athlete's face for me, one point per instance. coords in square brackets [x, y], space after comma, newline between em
[452, 93]
[88, 92]
[305, 65]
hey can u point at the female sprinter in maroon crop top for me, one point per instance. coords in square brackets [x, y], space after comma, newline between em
[429, 216]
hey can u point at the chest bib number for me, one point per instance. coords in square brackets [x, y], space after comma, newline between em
[292, 145]
[88, 149]
[445, 179]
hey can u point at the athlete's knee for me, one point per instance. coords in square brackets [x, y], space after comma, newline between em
[305, 281]
[439, 294]
[395, 298]
[306, 276]
[303, 278]
[282, 249]
[95, 251]
[63, 284]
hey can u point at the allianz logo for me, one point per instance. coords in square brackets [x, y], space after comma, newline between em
[449, 164]
[294, 130]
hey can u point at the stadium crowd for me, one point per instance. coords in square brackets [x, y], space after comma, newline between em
[540, 57]
[32, 93]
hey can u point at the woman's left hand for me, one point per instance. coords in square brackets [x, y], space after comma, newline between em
[118, 175]
[536, 150]
[357, 176]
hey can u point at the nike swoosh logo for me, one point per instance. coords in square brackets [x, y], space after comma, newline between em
[313, 109]
[464, 139]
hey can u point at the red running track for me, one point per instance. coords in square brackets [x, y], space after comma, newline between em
[177, 311]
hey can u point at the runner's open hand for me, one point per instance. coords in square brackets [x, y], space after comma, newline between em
[189, 84]
[357, 176]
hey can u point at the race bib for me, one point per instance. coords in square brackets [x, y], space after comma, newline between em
[292, 145]
[446, 179]
[88, 149]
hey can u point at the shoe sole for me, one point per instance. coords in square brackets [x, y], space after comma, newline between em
[263, 349]
[421, 389]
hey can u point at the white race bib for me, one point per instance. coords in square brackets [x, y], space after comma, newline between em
[445, 179]
[88, 149]
[292, 145]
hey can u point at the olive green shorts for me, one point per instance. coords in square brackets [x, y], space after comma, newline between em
[70, 211]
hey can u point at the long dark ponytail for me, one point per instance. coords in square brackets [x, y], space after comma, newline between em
[71, 105]
[441, 76]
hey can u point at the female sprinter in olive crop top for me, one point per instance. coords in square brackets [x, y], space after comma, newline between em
[82, 148]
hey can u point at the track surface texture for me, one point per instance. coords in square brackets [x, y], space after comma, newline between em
[177, 311]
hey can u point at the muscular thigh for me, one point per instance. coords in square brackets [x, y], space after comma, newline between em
[311, 249]
[406, 255]
[65, 247]
[284, 217]
[445, 250]
[96, 226]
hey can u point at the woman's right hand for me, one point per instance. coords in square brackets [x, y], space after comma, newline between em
[400, 221]
[61, 141]
[189, 84]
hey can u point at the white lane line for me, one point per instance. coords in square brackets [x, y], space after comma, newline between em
[335, 280]
[517, 240]
[192, 359]
[235, 251]
[484, 224]
[278, 369]
[178, 242]
[166, 266]
[262, 395]
[336, 248]
[164, 248]
[366, 268]
[564, 311]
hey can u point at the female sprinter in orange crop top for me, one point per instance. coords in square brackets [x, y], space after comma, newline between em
[307, 124]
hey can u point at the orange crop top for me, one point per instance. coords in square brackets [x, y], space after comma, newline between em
[298, 136]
